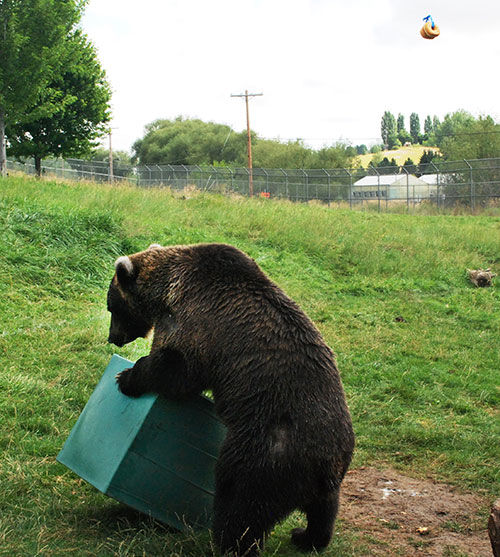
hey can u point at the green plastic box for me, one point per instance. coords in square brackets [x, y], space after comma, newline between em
[155, 455]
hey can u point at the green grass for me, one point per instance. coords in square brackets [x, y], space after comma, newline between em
[423, 390]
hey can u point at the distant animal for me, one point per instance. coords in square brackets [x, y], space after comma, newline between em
[220, 323]
[481, 277]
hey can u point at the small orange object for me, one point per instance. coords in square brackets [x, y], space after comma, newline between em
[429, 30]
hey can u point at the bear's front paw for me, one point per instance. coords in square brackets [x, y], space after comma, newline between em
[126, 383]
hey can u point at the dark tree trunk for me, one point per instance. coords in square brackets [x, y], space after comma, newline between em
[3, 147]
[38, 166]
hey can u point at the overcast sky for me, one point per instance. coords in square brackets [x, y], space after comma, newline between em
[328, 68]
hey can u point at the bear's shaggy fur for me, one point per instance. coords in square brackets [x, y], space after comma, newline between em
[221, 324]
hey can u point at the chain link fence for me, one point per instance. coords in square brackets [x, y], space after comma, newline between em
[473, 184]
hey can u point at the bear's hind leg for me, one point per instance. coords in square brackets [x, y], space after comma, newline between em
[320, 520]
[239, 532]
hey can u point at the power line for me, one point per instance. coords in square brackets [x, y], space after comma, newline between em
[350, 139]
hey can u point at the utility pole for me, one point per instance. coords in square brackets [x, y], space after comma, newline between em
[246, 94]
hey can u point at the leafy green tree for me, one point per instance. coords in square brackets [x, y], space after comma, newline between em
[32, 34]
[428, 126]
[427, 156]
[79, 96]
[404, 137]
[393, 141]
[401, 123]
[190, 141]
[415, 127]
[119, 157]
[386, 166]
[424, 166]
[473, 139]
[451, 124]
[410, 166]
[361, 149]
[273, 154]
[388, 127]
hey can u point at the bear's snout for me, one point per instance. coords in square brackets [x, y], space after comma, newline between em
[116, 340]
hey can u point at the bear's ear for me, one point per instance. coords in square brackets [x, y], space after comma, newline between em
[125, 271]
[154, 246]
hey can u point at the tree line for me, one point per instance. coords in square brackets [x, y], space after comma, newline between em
[195, 142]
[458, 136]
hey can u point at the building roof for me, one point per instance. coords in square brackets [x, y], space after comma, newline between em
[389, 180]
[431, 179]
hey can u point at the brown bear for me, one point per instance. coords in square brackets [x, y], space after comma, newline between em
[220, 323]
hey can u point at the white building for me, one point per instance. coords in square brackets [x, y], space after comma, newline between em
[395, 187]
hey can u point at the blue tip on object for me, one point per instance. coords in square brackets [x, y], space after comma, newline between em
[153, 454]
[427, 17]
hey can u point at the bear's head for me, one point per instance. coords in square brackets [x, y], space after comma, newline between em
[128, 319]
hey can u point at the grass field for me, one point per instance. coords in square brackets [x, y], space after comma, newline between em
[414, 152]
[416, 343]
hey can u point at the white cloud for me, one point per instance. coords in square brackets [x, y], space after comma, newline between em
[328, 68]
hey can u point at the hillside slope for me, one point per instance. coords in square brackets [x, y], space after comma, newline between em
[417, 344]
[401, 155]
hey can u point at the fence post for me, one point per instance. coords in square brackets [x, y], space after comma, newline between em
[350, 187]
[306, 183]
[378, 185]
[186, 175]
[472, 192]
[407, 190]
[248, 174]
[329, 184]
[286, 184]
[438, 183]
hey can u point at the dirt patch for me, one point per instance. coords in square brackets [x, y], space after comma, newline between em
[397, 515]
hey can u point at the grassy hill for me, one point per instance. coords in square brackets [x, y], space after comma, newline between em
[417, 344]
[401, 155]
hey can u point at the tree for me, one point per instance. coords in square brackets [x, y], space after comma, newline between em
[415, 127]
[32, 34]
[387, 127]
[451, 124]
[424, 166]
[361, 149]
[386, 166]
[428, 126]
[410, 166]
[79, 95]
[119, 157]
[403, 135]
[473, 139]
[190, 141]
[401, 123]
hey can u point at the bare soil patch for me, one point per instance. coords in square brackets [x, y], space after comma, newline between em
[397, 515]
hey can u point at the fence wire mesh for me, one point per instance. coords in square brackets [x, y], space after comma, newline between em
[469, 183]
